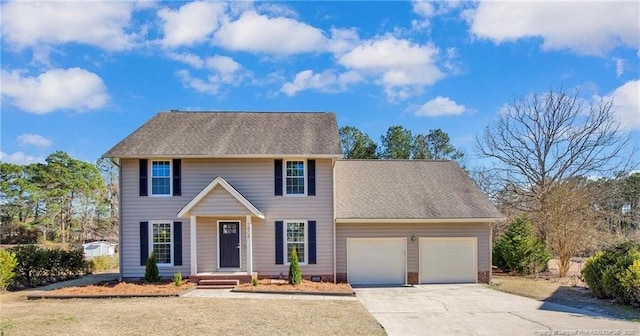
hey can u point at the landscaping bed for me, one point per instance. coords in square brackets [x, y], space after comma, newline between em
[306, 287]
[115, 288]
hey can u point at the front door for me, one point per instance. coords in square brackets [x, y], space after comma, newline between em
[229, 248]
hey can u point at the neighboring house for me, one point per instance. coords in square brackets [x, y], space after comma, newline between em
[229, 194]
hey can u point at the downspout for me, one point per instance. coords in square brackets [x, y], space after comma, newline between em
[333, 211]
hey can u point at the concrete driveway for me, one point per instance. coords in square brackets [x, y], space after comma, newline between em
[476, 310]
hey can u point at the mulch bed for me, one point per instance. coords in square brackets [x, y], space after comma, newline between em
[114, 288]
[306, 287]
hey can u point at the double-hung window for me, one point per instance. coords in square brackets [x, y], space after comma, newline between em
[161, 178]
[294, 177]
[296, 235]
[161, 242]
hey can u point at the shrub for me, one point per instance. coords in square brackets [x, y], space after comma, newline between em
[254, 281]
[151, 272]
[295, 275]
[615, 273]
[8, 264]
[37, 266]
[103, 263]
[519, 250]
[177, 279]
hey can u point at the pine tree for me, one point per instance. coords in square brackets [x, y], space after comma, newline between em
[151, 272]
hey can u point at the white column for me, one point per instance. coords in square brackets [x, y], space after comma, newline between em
[194, 247]
[249, 245]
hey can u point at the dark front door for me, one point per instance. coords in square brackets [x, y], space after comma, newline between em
[229, 233]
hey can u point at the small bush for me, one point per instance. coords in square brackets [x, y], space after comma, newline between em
[8, 264]
[615, 273]
[519, 250]
[151, 272]
[104, 263]
[254, 281]
[177, 279]
[295, 274]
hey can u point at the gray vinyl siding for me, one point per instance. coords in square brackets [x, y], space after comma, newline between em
[254, 179]
[480, 230]
[219, 202]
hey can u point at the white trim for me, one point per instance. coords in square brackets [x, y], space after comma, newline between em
[306, 240]
[239, 243]
[249, 244]
[231, 190]
[333, 213]
[416, 220]
[150, 234]
[239, 156]
[284, 177]
[378, 238]
[193, 244]
[150, 178]
[474, 240]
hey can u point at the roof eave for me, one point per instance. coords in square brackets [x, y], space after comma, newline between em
[239, 156]
[419, 220]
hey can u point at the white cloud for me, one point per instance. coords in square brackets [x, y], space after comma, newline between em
[440, 106]
[327, 81]
[192, 23]
[194, 61]
[619, 67]
[19, 158]
[100, 24]
[33, 140]
[586, 27]
[626, 104]
[253, 32]
[402, 67]
[343, 40]
[224, 71]
[74, 88]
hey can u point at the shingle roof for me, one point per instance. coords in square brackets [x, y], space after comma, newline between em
[389, 189]
[219, 134]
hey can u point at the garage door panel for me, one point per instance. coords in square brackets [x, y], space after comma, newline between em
[376, 260]
[448, 260]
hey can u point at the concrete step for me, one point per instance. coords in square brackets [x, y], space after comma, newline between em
[218, 282]
[216, 287]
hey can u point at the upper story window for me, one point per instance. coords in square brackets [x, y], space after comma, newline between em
[294, 177]
[161, 177]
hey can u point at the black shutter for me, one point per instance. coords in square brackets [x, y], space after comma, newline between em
[277, 170]
[311, 230]
[177, 243]
[144, 184]
[311, 178]
[177, 177]
[279, 243]
[144, 242]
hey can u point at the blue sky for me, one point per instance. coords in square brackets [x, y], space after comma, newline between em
[79, 77]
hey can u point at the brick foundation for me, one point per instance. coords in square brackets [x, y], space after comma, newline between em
[323, 278]
[412, 278]
[484, 277]
[341, 277]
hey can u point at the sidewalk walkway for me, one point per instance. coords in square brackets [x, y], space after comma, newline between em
[81, 281]
[228, 294]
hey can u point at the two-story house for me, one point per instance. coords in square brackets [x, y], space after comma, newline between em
[230, 194]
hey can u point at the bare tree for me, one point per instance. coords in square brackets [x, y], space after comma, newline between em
[542, 140]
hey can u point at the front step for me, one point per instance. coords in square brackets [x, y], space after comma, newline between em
[218, 283]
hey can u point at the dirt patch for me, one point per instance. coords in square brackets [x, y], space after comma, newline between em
[565, 291]
[123, 288]
[267, 285]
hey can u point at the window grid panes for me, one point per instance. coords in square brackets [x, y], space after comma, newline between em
[161, 178]
[296, 237]
[161, 241]
[295, 177]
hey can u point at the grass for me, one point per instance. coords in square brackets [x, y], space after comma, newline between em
[171, 316]
[562, 291]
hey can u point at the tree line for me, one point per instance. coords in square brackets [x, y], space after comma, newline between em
[63, 200]
[398, 144]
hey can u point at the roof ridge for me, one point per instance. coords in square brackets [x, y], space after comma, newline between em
[242, 112]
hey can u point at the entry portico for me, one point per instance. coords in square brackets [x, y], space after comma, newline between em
[218, 216]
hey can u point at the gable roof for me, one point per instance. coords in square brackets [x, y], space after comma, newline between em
[219, 181]
[232, 134]
[407, 190]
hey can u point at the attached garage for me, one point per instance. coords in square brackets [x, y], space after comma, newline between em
[448, 260]
[380, 261]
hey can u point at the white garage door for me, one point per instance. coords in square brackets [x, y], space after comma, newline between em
[379, 261]
[448, 260]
